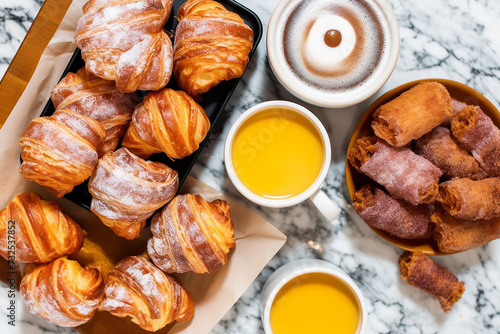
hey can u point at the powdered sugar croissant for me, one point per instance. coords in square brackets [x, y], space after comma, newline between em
[38, 230]
[166, 121]
[124, 41]
[153, 299]
[60, 151]
[126, 190]
[211, 44]
[62, 292]
[99, 99]
[191, 234]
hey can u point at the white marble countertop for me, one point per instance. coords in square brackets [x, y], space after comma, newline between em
[454, 39]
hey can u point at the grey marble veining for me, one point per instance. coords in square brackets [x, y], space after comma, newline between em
[454, 39]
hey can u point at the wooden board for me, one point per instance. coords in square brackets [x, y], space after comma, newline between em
[26, 59]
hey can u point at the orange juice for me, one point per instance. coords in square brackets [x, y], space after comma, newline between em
[315, 303]
[277, 153]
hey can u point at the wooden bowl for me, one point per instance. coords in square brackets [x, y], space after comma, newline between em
[363, 128]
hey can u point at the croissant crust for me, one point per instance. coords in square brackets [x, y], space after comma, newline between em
[126, 190]
[60, 151]
[98, 99]
[62, 292]
[211, 44]
[124, 41]
[153, 299]
[42, 232]
[166, 121]
[191, 234]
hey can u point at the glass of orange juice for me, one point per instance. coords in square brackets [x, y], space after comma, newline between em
[312, 296]
[277, 154]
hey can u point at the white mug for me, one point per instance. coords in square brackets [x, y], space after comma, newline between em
[329, 210]
[296, 268]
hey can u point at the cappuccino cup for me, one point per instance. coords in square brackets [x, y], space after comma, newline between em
[333, 53]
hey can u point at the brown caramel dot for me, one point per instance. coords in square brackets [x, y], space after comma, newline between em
[333, 38]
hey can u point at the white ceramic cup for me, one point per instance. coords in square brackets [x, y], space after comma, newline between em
[329, 210]
[327, 97]
[300, 267]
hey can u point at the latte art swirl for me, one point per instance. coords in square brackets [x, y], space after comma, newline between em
[333, 45]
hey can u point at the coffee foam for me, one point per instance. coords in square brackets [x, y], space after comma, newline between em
[340, 68]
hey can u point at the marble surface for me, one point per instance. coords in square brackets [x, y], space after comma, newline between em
[455, 39]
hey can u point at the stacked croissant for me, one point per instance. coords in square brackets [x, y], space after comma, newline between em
[102, 133]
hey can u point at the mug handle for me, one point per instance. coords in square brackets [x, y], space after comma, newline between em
[325, 205]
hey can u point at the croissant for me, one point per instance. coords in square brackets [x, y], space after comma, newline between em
[38, 230]
[60, 151]
[99, 99]
[166, 121]
[126, 190]
[124, 41]
[191, 234]
[62, 292]
[153, 299]
[211, 44]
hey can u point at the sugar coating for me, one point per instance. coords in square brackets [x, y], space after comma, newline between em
[403, 173]
[308, 56]
[397, 217]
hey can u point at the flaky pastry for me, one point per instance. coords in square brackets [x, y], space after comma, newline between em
[126, 190]
[211, 44]
[39, 230]
[62, 292]
[60, 151]
[153, 299]
[166, 121]
[124, 41]
[99, 99]
[191, 234]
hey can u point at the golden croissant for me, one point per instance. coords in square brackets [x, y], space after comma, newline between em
[126, 190]
[166, 121]
[37, 231]
[191, 234]
[60, 151]
[124, 41]
[153, 299]
[211, 44]
[100, 99]
[62, 292]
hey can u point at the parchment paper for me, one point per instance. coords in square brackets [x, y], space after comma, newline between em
[215, 293]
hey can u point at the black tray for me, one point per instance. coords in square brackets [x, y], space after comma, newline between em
[213, 102]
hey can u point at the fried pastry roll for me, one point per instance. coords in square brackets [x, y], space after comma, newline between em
[62, 292]
[421, 271]
[477, 133]
[191, 234]
[439, 147]
[60, 151]
[124, 41]
[99, 99]
[166, 121]
[412, 114]
[471, 200]
[396, 217]
[404, 174]
[41, 231]
[126, 190]
[455, 235]
[152, 299]
[211, 44]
